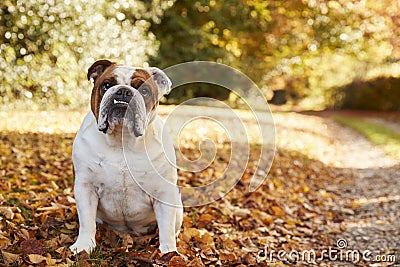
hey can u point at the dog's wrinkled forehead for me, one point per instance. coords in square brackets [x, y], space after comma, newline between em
[127, 75]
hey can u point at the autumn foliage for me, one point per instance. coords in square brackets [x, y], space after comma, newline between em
[293, 209]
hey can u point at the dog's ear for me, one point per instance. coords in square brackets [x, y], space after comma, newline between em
[162, 81]
[98, 68]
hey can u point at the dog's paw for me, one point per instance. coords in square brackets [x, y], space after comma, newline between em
[81, 246]
[165, 248]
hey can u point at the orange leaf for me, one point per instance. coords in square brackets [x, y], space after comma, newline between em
[277, 211]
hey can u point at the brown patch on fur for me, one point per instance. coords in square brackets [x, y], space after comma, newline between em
[97, 93]
[98, 68]
[141, 77]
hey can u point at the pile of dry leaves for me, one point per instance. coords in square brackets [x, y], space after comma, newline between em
[38, 219]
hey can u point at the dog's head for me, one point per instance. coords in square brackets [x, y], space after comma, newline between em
[124, 95]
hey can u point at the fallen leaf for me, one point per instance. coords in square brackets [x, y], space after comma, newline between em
[50, 261]
[7, 212]
[196, 262]
[10, 258]
[4, 242]
[189, 233]
[36, 258]
[176, 261]
[225, 255]
[32, 246]
[277, 211]
[167, 257]
[204, 219]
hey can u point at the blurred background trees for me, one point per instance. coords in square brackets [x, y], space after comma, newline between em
[47, 46]
[311, 53]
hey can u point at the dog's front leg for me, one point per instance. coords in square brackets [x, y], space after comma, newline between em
[86, 204]
[166, 216]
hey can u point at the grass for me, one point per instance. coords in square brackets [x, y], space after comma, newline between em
[378, 134]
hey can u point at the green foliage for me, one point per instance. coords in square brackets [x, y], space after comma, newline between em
[306, 47]
[48, 46]
[206, 30]
[378, 134]
[230, 32]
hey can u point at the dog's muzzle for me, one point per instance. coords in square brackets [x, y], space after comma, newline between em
[122, 104]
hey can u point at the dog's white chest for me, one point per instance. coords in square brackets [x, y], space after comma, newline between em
[122, 203]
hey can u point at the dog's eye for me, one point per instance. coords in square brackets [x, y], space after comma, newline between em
[144, 90]
[106, 85]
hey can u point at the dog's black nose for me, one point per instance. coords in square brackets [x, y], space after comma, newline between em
[124, 92]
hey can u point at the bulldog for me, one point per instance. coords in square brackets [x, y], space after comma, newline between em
[124, 163]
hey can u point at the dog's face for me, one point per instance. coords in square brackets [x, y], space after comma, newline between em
[125, 96]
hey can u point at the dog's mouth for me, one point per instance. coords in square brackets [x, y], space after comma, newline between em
[123, 103]
[122, 111]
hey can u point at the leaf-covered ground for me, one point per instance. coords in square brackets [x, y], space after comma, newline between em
[323, 185]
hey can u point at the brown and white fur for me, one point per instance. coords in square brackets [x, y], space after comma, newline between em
[119, 155]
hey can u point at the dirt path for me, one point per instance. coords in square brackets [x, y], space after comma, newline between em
[369, 208]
